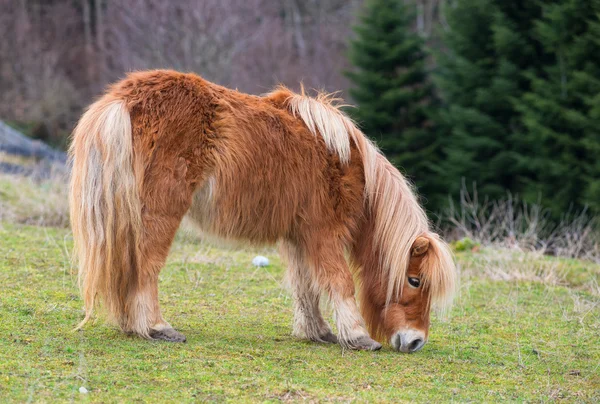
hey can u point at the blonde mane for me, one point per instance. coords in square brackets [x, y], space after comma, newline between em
[399, 219]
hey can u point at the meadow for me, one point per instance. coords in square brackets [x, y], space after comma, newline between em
[524, 327]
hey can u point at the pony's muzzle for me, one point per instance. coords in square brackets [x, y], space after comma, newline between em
[408, 341]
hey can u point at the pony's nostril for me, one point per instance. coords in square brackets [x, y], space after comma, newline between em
[408, 341]
[416, 344]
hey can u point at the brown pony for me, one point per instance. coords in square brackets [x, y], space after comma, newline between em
[282, 168]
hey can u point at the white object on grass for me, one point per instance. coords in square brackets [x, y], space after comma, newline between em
[260, 261]
[83, 390]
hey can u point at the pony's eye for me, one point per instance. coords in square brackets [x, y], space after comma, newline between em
[414, 282]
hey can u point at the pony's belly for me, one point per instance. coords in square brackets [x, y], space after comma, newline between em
[235, 218]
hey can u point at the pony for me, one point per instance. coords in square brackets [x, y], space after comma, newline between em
[281, 168]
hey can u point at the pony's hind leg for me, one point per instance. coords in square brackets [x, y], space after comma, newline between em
[145, 309]
[145, 316]
[308, 321]
[166, 199]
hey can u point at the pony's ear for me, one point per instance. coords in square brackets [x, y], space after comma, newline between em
[420, 246]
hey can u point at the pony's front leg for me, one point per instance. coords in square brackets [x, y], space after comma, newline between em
[351, 326]
[308, 320]
[334, 275]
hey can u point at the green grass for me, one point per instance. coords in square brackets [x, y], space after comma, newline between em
[534, 339]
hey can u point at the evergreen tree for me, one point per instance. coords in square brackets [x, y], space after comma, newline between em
[561, 112]
[480, 76]
[520, 81]
[588, 79]
[393, 94]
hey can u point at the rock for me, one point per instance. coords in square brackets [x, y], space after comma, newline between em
[260, 261]
[14, 143]
[38, 159]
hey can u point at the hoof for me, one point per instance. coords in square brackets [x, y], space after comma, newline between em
[167, 334]
[329, 338]
[364, 343]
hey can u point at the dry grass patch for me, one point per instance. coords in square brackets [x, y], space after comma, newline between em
[40, 200]
[502, 264]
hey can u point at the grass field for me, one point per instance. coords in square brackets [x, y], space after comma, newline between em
[524, 328]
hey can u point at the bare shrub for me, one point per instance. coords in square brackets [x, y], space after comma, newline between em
[514, 224]
[39, 54]
[248, 44]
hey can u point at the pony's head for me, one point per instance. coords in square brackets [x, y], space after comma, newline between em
[403, 318]
[405, 270]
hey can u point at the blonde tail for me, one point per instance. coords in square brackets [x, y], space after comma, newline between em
[105, 208]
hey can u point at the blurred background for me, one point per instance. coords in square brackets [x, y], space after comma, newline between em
[476, 101]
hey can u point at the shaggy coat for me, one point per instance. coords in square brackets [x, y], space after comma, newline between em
[282, 168]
